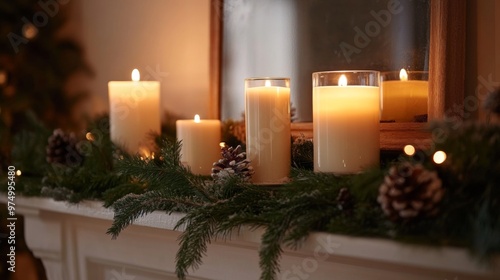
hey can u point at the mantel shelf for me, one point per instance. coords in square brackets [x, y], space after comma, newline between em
[393, 136]
[71, 241]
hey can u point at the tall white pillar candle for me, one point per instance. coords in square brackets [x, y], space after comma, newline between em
[267, 117]
[200, 143]
[346, 112]
[134, 113]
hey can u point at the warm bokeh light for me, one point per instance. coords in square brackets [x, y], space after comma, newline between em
[222, 144]
[18, 173]
[3, 77]
[403, 75]
[409, 150]
[89, 136]
[145, 153]
[196, 118]
[439, 157]
[136, 76]
[343, 81]
[29, 31]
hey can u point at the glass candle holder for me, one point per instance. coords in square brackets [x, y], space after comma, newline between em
[267, 119]
[346, 113]
[404, 96]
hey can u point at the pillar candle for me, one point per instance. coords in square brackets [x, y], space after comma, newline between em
[134, 113]
[404, 98]
[200, 143]
[267, 117]
[345, 121]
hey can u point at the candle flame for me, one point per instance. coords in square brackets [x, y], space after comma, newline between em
[342, 81]
[136, 76]
[403, 75]
[196, 118]
[267, 83]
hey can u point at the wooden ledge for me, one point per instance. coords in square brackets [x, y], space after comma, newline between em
[393, 136]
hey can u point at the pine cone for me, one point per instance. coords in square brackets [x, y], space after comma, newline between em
[492, 105]
[61, 149]
[410, 191]
[302, 153]
[492, 102]
[238, 130]
[233, 162]
[345, 200]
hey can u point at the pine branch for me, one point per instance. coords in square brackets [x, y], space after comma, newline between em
[165, 173]
[486, 240]
[56, 193]
[304, 222]
[200, 229]
[131, 207]
[213, 220]
[171, 151]
[271, 250]
[111, 195]
[28, 151]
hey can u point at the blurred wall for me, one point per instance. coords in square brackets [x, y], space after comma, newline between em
[483, 51]
[167, 40]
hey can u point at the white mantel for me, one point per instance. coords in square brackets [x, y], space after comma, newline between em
[72, 242]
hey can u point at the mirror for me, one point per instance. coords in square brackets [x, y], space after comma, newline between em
[294, 38]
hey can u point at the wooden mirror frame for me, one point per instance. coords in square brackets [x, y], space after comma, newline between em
[215, 48]
[446, 73]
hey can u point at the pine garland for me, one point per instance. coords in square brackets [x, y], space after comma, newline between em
[90, 176]
[134, 187]
[308, 203]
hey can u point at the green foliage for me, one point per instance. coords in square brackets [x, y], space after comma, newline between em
[89, 175]
[289, 213]
[472, 176]
[36, 63]
[28, 153]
